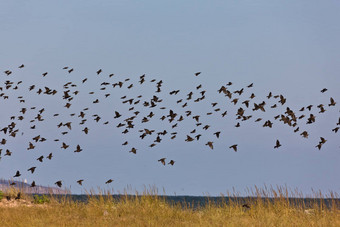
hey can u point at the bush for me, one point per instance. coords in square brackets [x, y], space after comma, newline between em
[1, 195]
[41, 199]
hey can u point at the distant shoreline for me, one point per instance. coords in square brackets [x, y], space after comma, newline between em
[198, 201]
[27, 189]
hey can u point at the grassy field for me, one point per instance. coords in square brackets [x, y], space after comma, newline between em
[149, 209]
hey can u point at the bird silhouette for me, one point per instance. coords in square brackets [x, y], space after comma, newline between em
[234, 147]
[162, 160]
[210, 144]
[65, 146]
[332, 102]
[8, 153]
[32, 169]
[117, 114]
[304, 134]
[40, 159]
[133, 150]
[18, 174]
[49, 156]
[277, 145]
[78, 149]
[109, 181]
[86, 130]
[58, 183]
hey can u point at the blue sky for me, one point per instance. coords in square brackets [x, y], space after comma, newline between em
[286, 47]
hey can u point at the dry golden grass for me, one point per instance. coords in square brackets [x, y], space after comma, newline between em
[149, 209]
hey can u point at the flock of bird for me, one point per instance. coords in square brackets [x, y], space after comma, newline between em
[134, 121]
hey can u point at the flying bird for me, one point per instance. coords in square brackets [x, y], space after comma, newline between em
[234, 147]
[58, 183]
[133, 150]
[117, 114]
[162, 160]
[40, 159]
[332, 102]
[217, 134]
[18, 174]
[78, 149]
[277, 144]
[86, 130]
[32, 169]
[109, 181]
[210, 144]
[49, 156]
[64, 146]
[189, 139]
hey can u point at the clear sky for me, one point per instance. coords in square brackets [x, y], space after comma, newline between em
[286, 47]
